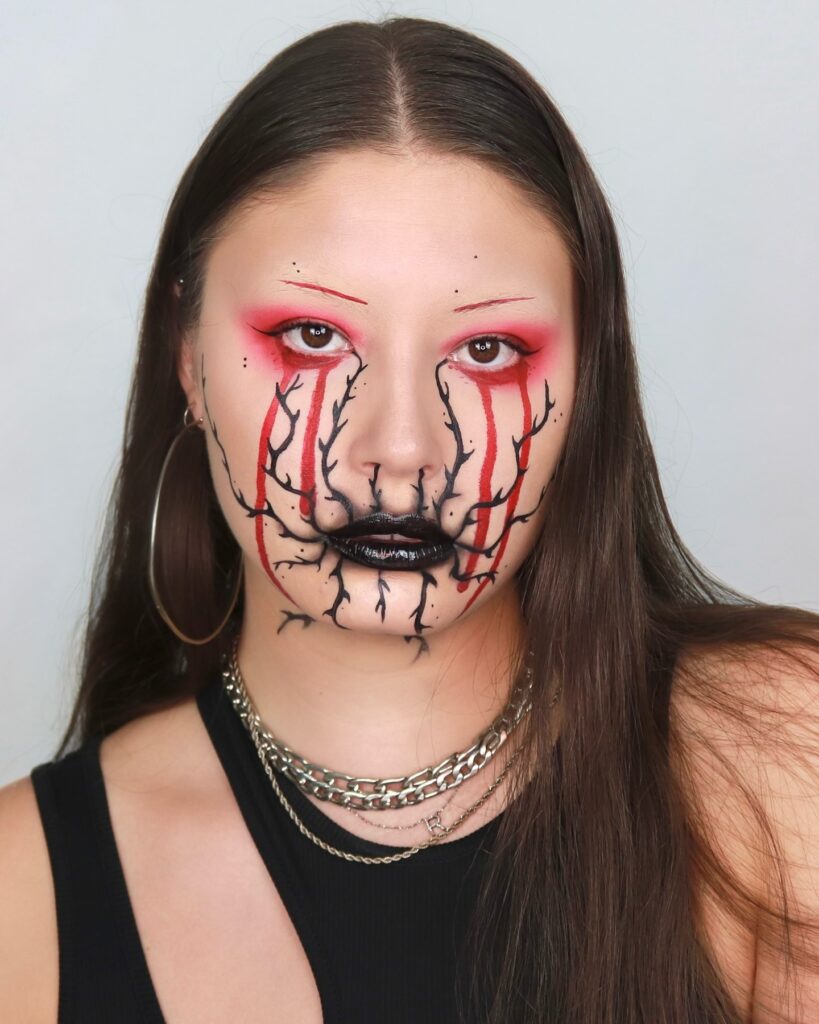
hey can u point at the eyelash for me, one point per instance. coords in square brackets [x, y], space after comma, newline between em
[304, 322]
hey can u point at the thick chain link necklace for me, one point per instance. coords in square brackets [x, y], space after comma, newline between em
[370, 794]
[235, 686]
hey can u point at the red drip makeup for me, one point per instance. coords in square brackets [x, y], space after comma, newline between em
[261, 497]
[303, 483]
[485, 495]
[513, 497]
[308, 452]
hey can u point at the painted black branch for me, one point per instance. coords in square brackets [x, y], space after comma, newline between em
[423, 646]
[381, 604]
[274, 453]
[457, 574]
[419, 490]
[461, 455]
[342, 594]
[376, 504]
[326, 446]
[299, 560]
[303, 618]
[501, 497]
[427, 580]
[252, 512]
[507, 526]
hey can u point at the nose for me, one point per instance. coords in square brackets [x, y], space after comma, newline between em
[399, 429]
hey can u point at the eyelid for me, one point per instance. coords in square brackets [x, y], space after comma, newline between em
[523, 353]
[496, 337]
[288, 325]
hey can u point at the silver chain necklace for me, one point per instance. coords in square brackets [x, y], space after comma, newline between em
[235, 686]
[432, 821]
[384, 793]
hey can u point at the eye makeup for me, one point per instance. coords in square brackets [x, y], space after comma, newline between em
[537, 343]
[262, 328]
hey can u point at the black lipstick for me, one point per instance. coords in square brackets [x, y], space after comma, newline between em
[382, 541]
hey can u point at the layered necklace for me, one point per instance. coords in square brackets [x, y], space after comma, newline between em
[359, 793]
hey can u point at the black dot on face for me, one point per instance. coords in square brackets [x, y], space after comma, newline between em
[456, 291]
[474, 257]
[292, 508]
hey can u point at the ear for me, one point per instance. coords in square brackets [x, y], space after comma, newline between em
[187, 369]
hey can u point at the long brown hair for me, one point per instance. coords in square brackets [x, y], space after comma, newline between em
[590, 907]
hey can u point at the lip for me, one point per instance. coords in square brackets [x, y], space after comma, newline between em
[425, 545]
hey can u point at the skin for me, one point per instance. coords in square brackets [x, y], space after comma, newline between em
[394, 401]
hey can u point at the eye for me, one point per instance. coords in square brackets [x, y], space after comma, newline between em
[489, 351]
[309, 336]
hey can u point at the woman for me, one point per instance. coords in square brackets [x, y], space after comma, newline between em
[402, 699]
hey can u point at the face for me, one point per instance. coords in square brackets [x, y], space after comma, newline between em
[385, 366]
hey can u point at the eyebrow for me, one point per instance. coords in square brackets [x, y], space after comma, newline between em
[457, 309]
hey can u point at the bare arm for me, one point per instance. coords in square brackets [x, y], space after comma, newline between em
[29, 969]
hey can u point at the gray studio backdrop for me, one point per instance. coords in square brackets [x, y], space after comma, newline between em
[699, 118]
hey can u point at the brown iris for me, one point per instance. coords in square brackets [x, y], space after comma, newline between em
[484, 350]
[315, 335]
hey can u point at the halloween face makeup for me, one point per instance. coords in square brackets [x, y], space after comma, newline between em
[385, 364]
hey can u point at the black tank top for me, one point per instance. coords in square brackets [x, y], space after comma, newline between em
[382, 940]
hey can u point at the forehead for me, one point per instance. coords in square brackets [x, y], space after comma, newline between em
[396, 227]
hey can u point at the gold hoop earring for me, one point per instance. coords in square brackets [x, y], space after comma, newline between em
[189, 422]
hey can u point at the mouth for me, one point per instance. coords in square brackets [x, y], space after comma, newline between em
[382, 541]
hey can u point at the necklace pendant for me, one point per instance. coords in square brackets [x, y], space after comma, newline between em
[434, 822]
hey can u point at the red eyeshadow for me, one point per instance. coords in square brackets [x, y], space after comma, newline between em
[540, 340]
[257, 321]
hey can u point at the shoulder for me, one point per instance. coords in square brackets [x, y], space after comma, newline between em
[153, 751]
[28, 924]
[166, 753]
[745, 735]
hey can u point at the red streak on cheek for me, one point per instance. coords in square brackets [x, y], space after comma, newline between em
[261, 476]
[485, 483]
[308, 453]
[511, 504]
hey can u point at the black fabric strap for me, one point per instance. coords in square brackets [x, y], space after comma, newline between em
[103, 972]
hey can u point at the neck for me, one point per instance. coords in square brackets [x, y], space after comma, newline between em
[370, 704]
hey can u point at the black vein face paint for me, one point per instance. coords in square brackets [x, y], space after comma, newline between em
[458, 527]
